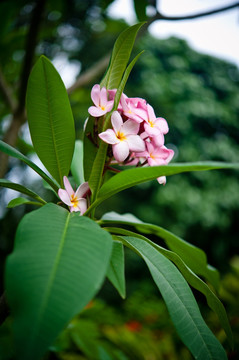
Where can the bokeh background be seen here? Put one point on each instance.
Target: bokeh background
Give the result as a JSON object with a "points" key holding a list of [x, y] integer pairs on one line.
{"points": [[196, 92]]}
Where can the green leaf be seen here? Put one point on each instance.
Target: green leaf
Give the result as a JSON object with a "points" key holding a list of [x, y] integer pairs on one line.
{"points": [[21, 201], [9, 150], [180, 301], [131, 177], [193, 257], [50, 119], [193, 280], [115, 271], [22, 189], [77, 163], [120, 57], [58, 264]]}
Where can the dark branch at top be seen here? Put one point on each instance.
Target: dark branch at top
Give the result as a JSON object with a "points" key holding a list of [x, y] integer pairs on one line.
{"points": [[160, 16]]}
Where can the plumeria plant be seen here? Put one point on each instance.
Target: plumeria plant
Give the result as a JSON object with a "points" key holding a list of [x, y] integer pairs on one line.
{"points": [[62, 252]]}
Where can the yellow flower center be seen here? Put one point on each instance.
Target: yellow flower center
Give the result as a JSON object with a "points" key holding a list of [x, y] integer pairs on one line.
{"points": [[120, 136], [151, 123], [74, 200], [102, 108]]}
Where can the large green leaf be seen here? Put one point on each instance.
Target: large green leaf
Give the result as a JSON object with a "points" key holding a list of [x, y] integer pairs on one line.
{"points": [[22, 189], [9, 150], [213, 302], [50, 119], [58, 264], [131, 177], [115, 271], [120, 57], [180, 301], [193, 257]]}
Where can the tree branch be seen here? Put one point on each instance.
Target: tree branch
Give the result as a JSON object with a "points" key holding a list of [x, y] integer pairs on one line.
{"points": [[31, 42], [7, 93], [4, 310], [19, 116], [90, 74], [160, 16]]}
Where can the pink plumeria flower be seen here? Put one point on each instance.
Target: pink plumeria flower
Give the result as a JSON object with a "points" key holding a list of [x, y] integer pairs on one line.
{"points": [[153, 126], [133, 108], [123, 137], [99, 98], [75, 200], [156, 156]]}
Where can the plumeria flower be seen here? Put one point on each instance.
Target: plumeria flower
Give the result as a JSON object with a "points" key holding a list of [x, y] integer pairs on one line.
{"points": [[133, 108], [153, 126], [99, 98], [156, 156], [123, 137], [75, 200]]}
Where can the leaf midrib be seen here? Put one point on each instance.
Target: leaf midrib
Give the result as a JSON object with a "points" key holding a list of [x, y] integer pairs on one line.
{"points": [[52, 276], [169, 284], [51, 125]]}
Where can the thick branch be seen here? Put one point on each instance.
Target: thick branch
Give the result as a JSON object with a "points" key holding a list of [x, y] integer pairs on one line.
{"points": [[19, 116], [4, 310], [7, 93], [31, 42], [90, 74], [160, 16]]}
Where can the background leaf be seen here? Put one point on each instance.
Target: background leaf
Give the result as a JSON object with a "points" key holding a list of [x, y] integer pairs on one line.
{"points": [[115, 271], [50, 119], [9, 150], [193, 280], [180, 301], [22, 189], [131, 177], [21, 201], [53, 272], [193, 257]]}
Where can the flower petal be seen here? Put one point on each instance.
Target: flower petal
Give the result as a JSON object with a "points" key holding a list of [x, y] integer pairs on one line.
{"points": [[103, 97], [121, 151], [82, 190], [68, 186], [162, 124], [95, 94], [130, 127], [82, 205], [109, 137], [116, 121], [96, 112], [135, 143], [161, 180], [63, 195]]}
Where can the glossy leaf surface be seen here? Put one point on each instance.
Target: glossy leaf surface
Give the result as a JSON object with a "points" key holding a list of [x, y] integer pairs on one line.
{"points": [[180, 301], [51, 275], [115, 271], [50, 119]]}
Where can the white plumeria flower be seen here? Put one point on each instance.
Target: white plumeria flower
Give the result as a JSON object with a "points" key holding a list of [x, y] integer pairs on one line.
{"points": [[123, 137], [75, 200]]}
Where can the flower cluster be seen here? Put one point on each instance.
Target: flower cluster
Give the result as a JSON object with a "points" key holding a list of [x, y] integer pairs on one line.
{"points": [[137, 135]]}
